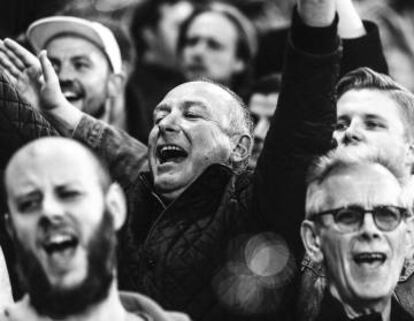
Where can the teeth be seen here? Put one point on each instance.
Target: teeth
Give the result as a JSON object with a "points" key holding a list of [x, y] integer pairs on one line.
{"points": [[170, 148], [60, 239], [369, 257], [69, 94]]}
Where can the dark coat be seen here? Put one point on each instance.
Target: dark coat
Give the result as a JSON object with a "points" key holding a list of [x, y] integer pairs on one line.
{"points": [[312, 283], [181, 250]]}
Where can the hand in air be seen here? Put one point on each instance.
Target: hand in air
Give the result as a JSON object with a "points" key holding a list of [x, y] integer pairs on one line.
{"points": [[34, 77]]}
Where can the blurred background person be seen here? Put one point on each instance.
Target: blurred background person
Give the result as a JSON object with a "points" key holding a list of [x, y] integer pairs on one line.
{"points": [[219, 43], [262, 105], [154, 29]]}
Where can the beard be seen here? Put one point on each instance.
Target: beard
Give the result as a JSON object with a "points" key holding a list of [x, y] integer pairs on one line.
{"points": [[60, 302], [93, 106]]}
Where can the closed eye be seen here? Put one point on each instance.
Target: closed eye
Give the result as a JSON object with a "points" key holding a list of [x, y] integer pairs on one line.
{"points": [[66, 193], [374, 124], [29, 205], [192, 115]]}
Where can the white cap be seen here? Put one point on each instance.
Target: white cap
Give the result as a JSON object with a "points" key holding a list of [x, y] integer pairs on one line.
{"points": [[43, 30]]}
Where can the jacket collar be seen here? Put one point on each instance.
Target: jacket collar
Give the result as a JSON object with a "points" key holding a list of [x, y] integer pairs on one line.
{"points": [[332, 309], [210, 185]]}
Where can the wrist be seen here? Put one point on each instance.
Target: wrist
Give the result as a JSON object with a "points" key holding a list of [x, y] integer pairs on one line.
{"points": [[314, 40], [64, 117], [317, 13]]}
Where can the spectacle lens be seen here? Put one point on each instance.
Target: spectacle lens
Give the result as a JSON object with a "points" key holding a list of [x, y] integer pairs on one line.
{"points": [[350, 219]]}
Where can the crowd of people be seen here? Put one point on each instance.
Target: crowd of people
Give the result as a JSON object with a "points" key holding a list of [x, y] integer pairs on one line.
{"points": [[197, 160]]}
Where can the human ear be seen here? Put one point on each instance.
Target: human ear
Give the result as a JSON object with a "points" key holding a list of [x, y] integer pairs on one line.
{"points": [[311, 241], [9, 225], [116, 204], [241, 149], [115, 85]]}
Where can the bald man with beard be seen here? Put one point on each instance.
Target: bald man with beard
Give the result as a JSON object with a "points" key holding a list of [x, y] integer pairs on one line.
{"points": [[64, 212]]}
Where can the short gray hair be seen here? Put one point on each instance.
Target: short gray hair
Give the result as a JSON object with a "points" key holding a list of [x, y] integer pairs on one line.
{"points": [[240, 123], [342, 158]]}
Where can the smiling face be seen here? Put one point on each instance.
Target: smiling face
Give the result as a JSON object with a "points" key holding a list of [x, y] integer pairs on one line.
{"points": [[56, 204], [362, 266], [210, 49], [83, 72], [189, 134], [370, 117]]}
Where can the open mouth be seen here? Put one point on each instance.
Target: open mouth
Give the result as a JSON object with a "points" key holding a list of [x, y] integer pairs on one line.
{"points": [[60, 243], [171, 153], [370, 258], [72, 96]]}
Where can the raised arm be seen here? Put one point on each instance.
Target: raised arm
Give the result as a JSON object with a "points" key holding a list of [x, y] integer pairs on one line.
{"points": [[302, 126], [38, 83], [361, 40]]}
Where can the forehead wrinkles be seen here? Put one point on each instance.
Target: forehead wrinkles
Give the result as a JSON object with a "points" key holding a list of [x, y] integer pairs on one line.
{"points": [[59, 160], [220, 104]]}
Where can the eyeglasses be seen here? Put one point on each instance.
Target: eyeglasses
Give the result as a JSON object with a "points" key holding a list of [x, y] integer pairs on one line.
{"points": [[350, 219]]}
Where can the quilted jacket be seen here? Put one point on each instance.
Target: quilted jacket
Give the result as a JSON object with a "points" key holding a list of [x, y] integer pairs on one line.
{"points": [[19, 124], [179, 254]]}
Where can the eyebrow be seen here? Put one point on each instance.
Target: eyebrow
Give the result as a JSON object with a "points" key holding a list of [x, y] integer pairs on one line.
{"points": [[369, 116], [373, 116], [54, 58], [161, 107], [24, 195], [194, 103], [185, 105]]}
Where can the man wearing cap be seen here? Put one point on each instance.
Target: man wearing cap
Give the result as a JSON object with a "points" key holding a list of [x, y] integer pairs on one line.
{"points": [[86, 58]]}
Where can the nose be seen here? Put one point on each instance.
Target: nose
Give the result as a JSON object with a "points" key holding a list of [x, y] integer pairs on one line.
{"points": [[66, 72], [261, 129], [369, 229], [197, 49], [52, 207], [352, 135], [170, 123]]}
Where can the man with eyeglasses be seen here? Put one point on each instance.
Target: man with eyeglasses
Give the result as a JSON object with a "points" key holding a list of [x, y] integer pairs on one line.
{"points": [[358, 225]]}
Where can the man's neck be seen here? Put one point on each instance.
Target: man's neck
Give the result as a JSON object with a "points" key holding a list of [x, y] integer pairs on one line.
{"points": [[109, 309], [353, 311]]}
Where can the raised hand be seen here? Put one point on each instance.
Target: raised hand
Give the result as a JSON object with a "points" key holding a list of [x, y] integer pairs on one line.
{"points": [[317, 13], [34, 77], [350, 24]]}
